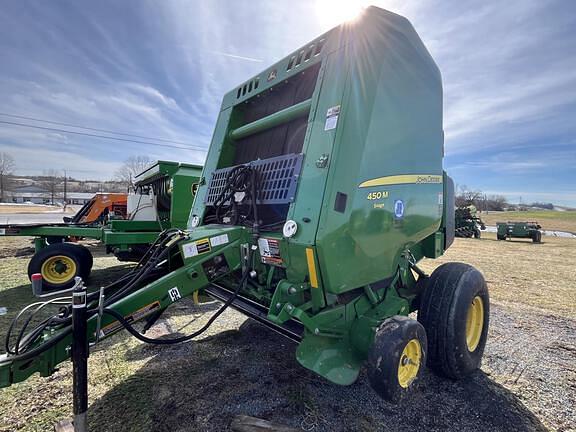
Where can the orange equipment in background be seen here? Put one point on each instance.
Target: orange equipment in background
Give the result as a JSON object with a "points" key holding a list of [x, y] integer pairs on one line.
{"points": [[99, 207]]}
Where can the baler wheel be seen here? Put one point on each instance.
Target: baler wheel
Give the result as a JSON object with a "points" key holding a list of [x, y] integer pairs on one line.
{"points": [[397, 357], [59, 264], [455, 310]]}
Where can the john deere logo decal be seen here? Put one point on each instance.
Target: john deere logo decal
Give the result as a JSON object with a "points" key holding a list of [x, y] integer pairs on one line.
{"points": [[272, 75], [399, 209]]}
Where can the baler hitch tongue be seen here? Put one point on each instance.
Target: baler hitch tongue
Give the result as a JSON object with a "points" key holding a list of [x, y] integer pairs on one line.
{"points": [[127, 301]]}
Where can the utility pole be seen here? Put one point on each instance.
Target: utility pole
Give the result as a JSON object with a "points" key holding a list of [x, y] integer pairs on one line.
{"points": [[65, 185]]}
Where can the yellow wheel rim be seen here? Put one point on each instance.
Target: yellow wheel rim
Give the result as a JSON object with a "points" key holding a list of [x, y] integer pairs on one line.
{"points": [[58, 269], [409, 363], [474, 323]]}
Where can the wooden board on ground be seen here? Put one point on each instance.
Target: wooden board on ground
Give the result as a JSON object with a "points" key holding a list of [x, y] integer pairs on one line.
{"points": [[243, 423]]}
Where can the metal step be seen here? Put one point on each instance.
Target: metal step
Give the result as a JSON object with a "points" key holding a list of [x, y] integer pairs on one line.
{"points": [[291, 329]]}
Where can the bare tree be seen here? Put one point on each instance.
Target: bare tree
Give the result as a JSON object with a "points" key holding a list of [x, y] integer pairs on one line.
{"points": [[7, 165], [132, 166], [466, 197], [497, 203], [51, 182]]}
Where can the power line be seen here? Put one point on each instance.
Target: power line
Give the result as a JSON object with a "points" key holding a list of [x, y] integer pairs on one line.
{"points": [[91, 128], [102, 136]]}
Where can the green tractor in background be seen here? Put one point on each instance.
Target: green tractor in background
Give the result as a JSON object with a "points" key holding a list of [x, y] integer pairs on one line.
{"points": [[322, 190], [467, 222], [510, 230]]}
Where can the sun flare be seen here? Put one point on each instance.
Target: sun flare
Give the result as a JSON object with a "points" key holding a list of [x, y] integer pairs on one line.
{"points": [[334, 12]]}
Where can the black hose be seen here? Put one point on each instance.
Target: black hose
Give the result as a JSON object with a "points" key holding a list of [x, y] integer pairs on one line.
{"points": [[155, 254], [41, 348], [242, 178], [197, 333]]}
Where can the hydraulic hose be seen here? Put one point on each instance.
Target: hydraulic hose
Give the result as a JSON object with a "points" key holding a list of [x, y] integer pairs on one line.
{"points": [[197, 333], [244, 179], [155, 254]]}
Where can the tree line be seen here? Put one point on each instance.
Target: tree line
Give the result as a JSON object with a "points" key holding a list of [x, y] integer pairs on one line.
{"points": [[483, 202]]}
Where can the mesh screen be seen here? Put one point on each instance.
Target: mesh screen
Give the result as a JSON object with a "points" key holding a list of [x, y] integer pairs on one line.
{"points": [[277, 177]]}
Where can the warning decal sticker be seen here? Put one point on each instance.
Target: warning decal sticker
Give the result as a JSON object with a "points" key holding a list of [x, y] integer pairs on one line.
{"points": [[196, 248], [332, 118], [269, 251], [219, 240]]}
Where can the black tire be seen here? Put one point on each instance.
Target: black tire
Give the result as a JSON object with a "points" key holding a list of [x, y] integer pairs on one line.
{"points": [[477, 233], [72, 261], [87, 258], [388, 375], [449, 312], [500, 237], [536, 237]]}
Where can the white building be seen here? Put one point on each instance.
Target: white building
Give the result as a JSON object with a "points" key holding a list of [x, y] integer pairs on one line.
{"points": [[36, 195]]}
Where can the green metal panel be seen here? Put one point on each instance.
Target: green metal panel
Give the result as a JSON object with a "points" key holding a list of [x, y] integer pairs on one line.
{"points": [[282, 116], [56, 231], [133, 225], [182, 194], [113, 238], [389, 94], [161, 167]]}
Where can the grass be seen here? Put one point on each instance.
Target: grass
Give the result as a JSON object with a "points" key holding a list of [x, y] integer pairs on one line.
{"points": [[48, 400], [550, 220]]}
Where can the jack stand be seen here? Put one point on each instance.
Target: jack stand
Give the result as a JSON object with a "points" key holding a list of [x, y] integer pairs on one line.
{"points": [[80, 353]]}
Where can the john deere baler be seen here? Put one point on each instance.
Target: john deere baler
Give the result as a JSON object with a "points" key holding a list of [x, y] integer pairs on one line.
{"points": [[322, 189]]}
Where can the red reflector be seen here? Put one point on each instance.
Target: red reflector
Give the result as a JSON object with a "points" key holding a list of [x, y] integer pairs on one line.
{"points": [[36, 276]]}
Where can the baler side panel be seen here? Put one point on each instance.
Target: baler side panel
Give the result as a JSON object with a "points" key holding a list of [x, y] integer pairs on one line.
{"points": [[391, 126]]}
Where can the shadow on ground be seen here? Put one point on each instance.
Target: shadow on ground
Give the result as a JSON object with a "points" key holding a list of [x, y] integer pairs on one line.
{"points": [[201, 386]]}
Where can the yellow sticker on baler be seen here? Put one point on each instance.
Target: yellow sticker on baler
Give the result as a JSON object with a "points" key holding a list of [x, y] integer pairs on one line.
{"points": [[196, 248], [312, 267]]}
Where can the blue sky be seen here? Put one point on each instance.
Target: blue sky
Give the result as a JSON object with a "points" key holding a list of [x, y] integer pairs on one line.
{"points": [[160, 68]]}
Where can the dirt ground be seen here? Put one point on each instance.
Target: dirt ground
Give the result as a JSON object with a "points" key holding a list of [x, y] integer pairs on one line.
{"points": [[527, 381]]}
